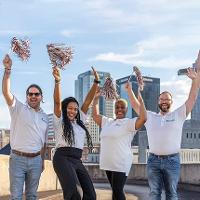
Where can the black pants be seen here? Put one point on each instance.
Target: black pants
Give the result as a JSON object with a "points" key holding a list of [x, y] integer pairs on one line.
{"points": [[117, 181], [74, 178]]}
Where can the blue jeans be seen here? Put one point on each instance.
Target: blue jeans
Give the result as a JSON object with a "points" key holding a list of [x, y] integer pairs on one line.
{"points": [[24, 170], [163, 172]]}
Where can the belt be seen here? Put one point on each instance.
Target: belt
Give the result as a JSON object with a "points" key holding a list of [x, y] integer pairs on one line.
{"points": [[19, 153], [164, 156]]}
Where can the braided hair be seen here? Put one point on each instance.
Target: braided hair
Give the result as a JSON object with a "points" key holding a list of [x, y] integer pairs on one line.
{"points": [[68, 132]]}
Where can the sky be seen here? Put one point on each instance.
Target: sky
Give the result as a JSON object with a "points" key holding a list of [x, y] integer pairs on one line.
{"points": [[158, 36]]}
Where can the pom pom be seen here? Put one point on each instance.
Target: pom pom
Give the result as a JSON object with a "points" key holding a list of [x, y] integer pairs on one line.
{"points": [[139, 78], [109, 90], [21, 48], [59, 54]]}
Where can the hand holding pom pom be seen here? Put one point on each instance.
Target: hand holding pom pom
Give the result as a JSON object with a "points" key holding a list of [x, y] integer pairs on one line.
{"points": [[59, 54], [109, 90], [139, 78], [21, 48]]}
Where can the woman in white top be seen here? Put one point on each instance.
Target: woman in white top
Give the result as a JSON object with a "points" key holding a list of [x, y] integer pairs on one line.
{"points": [[116, 136], [70, 133]]}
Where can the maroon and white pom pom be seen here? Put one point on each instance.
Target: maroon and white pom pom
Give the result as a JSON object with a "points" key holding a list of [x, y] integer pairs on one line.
{"points": [[109, 90], [59, 54], [139, 78], [21, 48]]}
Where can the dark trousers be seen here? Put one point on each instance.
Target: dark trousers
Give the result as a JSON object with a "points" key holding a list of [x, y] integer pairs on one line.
{"points": [[117, 181], [74, 178]]}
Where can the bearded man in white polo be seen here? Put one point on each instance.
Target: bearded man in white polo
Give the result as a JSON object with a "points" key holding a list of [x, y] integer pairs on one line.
{"points": [[164, 132]]}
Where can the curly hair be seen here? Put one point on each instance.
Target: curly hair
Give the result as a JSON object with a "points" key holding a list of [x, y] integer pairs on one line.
{"points": [[68, 132]]}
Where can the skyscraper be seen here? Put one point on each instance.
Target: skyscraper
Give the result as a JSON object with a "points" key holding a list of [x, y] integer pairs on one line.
{"points": [[82, 86], [196, 109], [51, 134], [191, 127], [150, 95]]}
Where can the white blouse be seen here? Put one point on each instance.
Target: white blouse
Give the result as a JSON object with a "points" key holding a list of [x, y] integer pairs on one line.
{"points": [[79, 133]]}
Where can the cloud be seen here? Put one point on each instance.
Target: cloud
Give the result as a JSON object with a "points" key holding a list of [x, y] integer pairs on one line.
{"points": [[179, 88], [69, 33], [55, 1], [152, 16], [160, 52], [13, 32], [168, 62]]}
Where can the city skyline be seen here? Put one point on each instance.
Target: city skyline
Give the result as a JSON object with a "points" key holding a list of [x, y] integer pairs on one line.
{"points": [[106, 107], [158, 36]]}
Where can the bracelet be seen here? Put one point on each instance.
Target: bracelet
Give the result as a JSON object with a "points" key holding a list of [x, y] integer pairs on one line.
{"points": [[57, 81], [96, 81], [7, 71]]}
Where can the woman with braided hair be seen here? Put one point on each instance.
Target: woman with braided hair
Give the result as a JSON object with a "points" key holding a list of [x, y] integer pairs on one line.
{"points": [[70, 133]]}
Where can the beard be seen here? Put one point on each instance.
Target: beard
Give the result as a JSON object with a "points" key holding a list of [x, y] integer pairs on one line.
{"points": [[164, 109]]}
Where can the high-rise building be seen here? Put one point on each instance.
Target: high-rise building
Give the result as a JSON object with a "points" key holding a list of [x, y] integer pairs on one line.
{"points": [[150, 95], [196, 109], [191, 134], [191, 128], [51, 134], [82, 87], [4, 137]]}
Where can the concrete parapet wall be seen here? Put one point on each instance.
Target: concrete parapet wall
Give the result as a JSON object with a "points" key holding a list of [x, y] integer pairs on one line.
{"points": [[190, 175], [4, 175], [48, 180]]}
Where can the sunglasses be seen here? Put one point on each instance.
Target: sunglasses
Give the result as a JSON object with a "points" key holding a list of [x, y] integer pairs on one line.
{"points": [[37, 94], [118, 107]]}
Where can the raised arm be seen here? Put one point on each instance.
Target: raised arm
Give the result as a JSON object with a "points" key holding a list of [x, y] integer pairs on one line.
{"points": [[57, 92], [142, 118], [132, 98], [91, 93], [7, 62], [194, 90], [95, 109]]}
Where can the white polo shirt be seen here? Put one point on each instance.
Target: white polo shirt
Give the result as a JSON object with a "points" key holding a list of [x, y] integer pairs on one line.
{"points": [[116, 137], [28, 129], [79, 132], [165, 131]]}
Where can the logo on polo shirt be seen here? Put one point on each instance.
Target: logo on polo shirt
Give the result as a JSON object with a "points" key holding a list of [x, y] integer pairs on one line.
{"points": [[170, 120], [44, 120]]}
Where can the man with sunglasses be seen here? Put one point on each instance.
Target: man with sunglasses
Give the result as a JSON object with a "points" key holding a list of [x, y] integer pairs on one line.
{"points": [[28, 135]]}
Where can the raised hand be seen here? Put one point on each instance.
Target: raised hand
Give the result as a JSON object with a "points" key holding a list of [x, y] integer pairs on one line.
{"points": [[56, 74], [140, 99], [198, 62], [128, 86], [191, 73], [96, 75], [98, 93], [7, 62]]}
